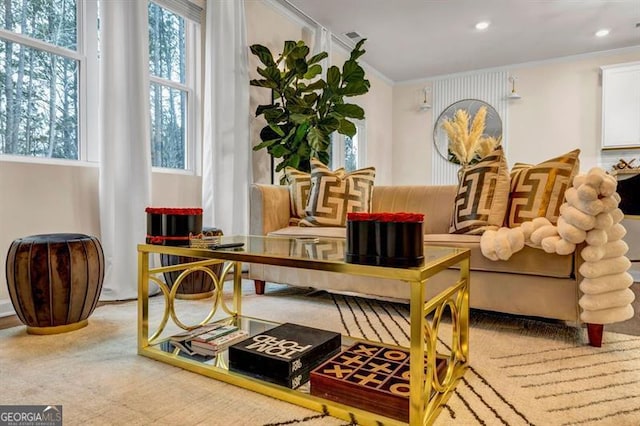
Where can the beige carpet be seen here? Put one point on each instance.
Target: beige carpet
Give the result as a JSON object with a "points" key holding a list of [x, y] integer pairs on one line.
{"points": [[523, 372]]}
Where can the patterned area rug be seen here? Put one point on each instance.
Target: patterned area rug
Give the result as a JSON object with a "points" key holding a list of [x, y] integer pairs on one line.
{"points": [[523, 371]]}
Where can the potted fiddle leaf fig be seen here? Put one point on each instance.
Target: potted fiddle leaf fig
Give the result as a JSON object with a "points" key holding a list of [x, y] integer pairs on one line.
{"points": [[306, 108]]}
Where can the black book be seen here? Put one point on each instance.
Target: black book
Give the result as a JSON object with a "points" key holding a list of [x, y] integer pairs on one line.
{"points": [[294, 381], [284, 351]]}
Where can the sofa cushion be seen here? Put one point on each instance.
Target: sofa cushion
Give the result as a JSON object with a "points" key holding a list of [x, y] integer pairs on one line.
{"points": [[434, 201], [334, 194], [538, 191], [528, 261], [302, 231], [483, 196]]}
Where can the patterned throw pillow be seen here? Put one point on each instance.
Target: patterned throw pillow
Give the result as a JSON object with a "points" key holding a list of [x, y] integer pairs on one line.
{"points": [[299, 186], [334, 194], [483, 196], [538, 191]]}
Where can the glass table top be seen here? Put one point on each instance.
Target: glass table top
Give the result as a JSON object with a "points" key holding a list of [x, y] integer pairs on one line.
{"points": [[320, 253]]}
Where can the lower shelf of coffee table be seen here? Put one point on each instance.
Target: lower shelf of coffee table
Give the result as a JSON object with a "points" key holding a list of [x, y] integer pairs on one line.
{"points": [[216, 367]]}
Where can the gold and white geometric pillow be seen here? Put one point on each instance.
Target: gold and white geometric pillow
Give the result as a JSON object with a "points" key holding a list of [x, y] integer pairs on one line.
{"points": [[483, 196], [335, 193], [538, 190], [299, 186]]}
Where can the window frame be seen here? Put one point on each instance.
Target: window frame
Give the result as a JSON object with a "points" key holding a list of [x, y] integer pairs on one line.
{"points": [[193, 88], [88, 123], [86, 54]]}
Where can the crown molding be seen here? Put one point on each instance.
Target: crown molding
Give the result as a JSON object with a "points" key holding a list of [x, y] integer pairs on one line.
{"points": [[557, 60]]}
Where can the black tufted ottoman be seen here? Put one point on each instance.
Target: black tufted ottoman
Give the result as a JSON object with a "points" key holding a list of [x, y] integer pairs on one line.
{"points": [[55, 280]]}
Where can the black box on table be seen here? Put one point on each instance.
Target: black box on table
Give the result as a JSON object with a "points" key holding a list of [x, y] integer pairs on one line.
{"points": [[285, 354]]}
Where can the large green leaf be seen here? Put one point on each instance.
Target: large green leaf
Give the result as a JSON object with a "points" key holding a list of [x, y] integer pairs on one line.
{"points": [[355, 88], [301, 131], [288, 47], [263, 53], [301, 67], [301, 108], [268, 84], [310, 98], [329, 124], [266, 133], [279, 150], [315, 137], [299, 118], [261, 108], [270, 73], [294, 160], [274, 115], [357, 51], [318, 57], [352, 72], [333, 77], [316, 85], [299, 52], [313, 71], [265, 144], [350, 110], [347, 128], [276, 129]]}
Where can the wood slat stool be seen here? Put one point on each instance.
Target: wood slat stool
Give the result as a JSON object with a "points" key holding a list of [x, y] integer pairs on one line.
{"points": [[55, 280]]}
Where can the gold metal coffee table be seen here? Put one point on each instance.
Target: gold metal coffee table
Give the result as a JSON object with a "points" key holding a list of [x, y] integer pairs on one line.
{"points": [[428, 391]]}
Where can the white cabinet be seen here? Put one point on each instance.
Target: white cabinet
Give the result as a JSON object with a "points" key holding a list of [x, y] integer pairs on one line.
{"points": [[621, 106]]}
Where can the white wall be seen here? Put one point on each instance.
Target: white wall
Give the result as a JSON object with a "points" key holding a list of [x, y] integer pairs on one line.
{"points": [[560, 110]]}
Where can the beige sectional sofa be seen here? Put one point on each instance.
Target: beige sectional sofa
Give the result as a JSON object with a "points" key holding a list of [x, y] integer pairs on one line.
{"points": [[531, 282]]}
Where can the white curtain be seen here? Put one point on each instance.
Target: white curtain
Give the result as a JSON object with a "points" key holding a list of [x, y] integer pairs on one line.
{"points": [[226, 151], [125, 157], [322, 43]]}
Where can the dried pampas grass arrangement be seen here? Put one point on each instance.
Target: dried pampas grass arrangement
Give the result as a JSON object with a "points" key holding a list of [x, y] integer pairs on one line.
{"points": [[467, 142]]}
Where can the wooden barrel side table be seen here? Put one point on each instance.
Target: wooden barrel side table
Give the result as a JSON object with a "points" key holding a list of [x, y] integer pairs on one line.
{"points": [[55, 280]]}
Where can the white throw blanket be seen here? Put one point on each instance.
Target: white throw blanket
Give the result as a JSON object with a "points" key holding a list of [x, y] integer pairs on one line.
{"points": [[589, 214]]}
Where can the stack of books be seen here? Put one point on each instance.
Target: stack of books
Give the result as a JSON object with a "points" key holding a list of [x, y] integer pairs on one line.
{"points": [[208, 339], [214, 341], [284, 355]]}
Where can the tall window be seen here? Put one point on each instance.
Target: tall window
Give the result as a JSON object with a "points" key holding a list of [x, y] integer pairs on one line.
{"points": [[349, 152], [40, 79], [173, 64], [48, 79]]}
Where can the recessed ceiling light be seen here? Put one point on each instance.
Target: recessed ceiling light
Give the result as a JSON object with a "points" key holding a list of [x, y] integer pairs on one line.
{"points": [[482, 25], [602, 33]]}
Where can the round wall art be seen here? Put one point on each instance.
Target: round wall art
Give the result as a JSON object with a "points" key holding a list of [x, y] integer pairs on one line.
{"points": [[493, 124]]}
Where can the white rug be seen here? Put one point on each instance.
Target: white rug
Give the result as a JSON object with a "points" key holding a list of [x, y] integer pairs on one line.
{"points": [[523, 372]]}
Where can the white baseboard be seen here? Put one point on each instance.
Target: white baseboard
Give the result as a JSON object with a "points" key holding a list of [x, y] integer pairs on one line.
{"points": [[6, 308]]}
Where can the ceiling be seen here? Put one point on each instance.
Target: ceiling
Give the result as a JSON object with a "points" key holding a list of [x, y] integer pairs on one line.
{"points": [[418, 39]]}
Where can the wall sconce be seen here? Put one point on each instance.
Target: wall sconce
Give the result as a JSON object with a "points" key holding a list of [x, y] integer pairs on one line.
{"points": [[513, 94], [425, 105]]}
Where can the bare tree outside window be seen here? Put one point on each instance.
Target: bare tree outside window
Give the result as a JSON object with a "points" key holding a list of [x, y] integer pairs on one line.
{"points": [[168, 92], [39, 86]]}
